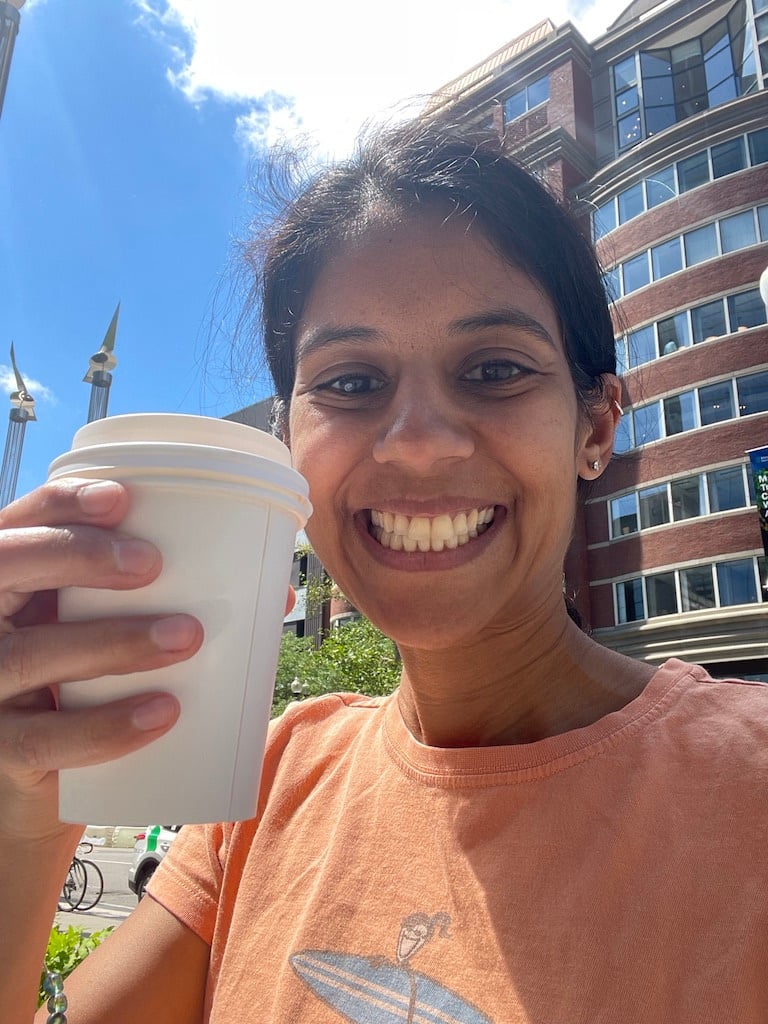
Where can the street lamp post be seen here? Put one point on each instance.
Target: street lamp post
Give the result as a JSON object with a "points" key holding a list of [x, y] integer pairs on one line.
{"points": [[22, 411], [9, 29], [99, 374]]}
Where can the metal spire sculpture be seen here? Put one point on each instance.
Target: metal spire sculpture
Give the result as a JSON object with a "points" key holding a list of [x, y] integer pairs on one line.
{"points": [[99, 374], [22, 411]]}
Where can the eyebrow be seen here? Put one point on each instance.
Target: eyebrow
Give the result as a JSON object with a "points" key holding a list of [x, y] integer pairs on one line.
{"points": [[503, 316], [334, 333]]}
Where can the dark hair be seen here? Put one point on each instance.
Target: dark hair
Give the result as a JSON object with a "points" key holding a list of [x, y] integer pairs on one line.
{"points": [[398, 171]]}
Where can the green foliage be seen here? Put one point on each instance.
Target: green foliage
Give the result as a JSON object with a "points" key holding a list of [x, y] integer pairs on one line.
{"points": [[66, 949], [355, 658]]}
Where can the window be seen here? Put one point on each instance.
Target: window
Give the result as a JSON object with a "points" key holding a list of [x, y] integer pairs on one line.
{"points": [[708, 321], [697, 589], [762, 217], [641, 346], [538, 92], [624, 73], [674, 333], [716, 403], [612, 283], [726, 489], [662, 594], [636, 273], [661, 187], [603, 219], [647, 423], [623, 439], [758, 146], [629, 600], [700, 244], [746, 310], [687, 501], [753, 393], [525, 99], [654, 506], [631, 202], [693, 171], [624, 515], [729, 157], [694, 75], [736, 582], [666, 258], [738, 231], [680, 413]]}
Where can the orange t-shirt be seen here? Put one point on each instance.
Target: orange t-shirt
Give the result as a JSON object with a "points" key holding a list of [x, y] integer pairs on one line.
{"points": [[613, 874]]}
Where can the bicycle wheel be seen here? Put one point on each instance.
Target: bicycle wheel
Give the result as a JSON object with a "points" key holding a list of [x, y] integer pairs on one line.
{"points": [[94, 885], [74, 886]]}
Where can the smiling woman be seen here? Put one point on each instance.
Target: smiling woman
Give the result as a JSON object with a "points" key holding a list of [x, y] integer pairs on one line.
{"points": [[533, 828]]}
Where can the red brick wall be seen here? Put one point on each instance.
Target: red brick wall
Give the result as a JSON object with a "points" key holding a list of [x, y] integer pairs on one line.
{"points": [[749, 187], [687, 288]]}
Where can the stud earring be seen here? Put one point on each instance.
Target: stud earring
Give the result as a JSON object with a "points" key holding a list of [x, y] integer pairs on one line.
{"points": [[595, 465]]}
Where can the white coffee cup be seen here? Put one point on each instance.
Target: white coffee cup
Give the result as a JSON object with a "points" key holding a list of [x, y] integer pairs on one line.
{"points": [[223, 505]]}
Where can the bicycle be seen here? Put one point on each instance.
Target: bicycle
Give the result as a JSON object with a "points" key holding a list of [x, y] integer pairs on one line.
{"points": [[84, 885]]}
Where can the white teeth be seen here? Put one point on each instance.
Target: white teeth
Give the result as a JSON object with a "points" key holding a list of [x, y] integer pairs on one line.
{"points": [[419, 529], [422, 533], [442, 530], [401, 525]]}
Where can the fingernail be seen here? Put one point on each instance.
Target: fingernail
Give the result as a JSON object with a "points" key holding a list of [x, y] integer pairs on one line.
{"points": [[175, 633], [99, 497], [135, 556], [155, 713]]}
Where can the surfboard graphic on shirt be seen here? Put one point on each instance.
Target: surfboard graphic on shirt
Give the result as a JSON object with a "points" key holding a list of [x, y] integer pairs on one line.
{"points": [[374, 990]]}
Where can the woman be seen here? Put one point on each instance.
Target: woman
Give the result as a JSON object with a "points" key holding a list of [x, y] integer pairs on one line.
{"points": [[534, 828]]}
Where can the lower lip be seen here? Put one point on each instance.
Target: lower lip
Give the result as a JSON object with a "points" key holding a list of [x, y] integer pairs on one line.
{"points": [[430, 561]]}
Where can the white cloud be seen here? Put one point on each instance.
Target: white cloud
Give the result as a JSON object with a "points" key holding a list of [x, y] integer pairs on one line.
{"points": [[323, 69], [37, 390]]}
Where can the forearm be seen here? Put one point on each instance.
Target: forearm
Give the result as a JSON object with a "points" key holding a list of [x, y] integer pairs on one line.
{"points": [[32, 876]]}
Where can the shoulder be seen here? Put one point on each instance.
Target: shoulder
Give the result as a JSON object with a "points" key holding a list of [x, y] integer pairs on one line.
{"points": [[723, 715]]}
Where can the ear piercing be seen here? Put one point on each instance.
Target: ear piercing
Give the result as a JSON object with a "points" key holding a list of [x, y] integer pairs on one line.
{"points": [[595, 465]]}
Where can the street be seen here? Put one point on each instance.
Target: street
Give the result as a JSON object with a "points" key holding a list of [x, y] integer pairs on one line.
{"points": [[117, 900]]}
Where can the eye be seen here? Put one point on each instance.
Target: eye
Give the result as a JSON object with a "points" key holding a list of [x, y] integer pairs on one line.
{"points": [[495, 371], [352, 384]]}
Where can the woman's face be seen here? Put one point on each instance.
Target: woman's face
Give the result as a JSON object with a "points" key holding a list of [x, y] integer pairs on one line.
{"points": [[435, 418]]}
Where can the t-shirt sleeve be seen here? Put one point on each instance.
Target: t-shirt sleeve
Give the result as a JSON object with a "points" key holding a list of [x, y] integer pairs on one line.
{"points": [[188, 881]]}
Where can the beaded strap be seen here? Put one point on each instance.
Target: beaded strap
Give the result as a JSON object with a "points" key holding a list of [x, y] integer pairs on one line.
{"points": [[53, 986]]}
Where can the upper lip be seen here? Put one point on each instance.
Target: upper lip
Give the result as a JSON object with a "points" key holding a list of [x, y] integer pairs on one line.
{"points": [[429, 507]]}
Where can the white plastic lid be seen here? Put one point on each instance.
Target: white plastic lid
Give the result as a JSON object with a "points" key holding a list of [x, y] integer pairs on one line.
{"points": [[176, 428]]}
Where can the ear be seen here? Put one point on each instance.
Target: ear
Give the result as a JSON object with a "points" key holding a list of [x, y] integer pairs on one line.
{"points": [[597, 448]]}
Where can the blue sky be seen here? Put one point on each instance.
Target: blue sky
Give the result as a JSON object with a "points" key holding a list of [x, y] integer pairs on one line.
{"points": [[127, 137]]}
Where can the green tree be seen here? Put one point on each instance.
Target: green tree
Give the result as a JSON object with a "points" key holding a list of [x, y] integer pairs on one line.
{"points": [[355, 658]]}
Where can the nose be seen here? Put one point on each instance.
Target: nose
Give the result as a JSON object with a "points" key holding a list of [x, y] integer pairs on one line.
{"points": [[422, 428]]}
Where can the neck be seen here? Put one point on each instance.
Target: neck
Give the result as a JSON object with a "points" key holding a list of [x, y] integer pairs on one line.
{"points": [[518, 685]]}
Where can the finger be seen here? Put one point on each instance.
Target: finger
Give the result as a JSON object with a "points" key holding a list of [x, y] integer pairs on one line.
{"points": [[290, 601], [68, 500], [42, 742], [48, 557], [38, 656]]}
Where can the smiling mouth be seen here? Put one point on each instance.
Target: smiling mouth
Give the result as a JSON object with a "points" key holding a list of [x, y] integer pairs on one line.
{"points": [[428, 533]]}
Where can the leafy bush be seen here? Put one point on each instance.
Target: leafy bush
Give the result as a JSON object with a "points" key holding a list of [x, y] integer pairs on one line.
{"points": [[355, 658], [65, 951]]}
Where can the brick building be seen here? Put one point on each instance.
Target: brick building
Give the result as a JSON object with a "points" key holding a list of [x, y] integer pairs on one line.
{"points": [[658, 133]]}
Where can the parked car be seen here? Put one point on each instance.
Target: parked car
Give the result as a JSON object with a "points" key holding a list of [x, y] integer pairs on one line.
{"points": [[149, 849]]}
